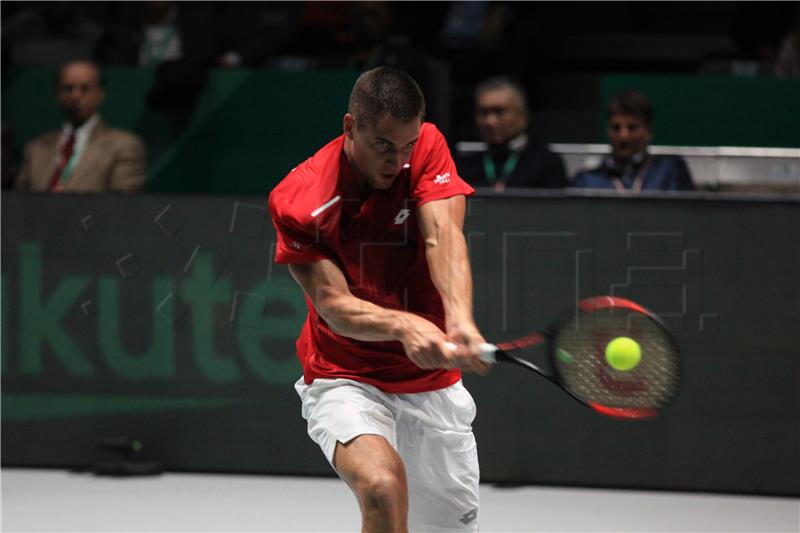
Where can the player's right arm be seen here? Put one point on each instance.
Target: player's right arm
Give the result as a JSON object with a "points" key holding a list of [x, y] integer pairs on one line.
{"points": [[349, 316]]}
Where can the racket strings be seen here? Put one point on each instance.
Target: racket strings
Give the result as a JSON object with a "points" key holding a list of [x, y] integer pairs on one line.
{"points": [[586, 372]]}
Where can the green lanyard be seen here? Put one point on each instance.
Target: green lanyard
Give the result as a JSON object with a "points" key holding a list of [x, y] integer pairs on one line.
{"points": [[70, 166], [67, 172], [508, 167], [638, 181]]}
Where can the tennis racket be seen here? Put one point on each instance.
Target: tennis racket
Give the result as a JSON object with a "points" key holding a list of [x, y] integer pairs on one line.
{"points": [[577, 359]]}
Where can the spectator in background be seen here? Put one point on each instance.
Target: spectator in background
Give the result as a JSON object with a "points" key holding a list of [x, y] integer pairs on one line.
{"points": [[179, 39], [787, 63], [253, 33], [629, 167], [377, 42], [9, 168], [510, 158], [85, 155], [39, 34]]}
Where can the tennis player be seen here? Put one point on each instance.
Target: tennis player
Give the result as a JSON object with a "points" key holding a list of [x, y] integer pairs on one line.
{"points": [[371, 227]]}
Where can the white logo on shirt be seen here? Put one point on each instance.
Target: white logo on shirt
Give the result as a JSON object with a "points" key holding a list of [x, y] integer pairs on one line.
{"points": [[441, 179], [402, 215], [325, 206], [296, 245]]}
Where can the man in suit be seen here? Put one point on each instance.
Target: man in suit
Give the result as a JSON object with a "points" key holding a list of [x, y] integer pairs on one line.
{"points": [[85, 155], [630, 168], [510, 158]]}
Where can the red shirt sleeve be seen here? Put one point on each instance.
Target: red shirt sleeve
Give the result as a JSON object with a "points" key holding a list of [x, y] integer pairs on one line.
{"points": [[298, 240], [436, 171]]}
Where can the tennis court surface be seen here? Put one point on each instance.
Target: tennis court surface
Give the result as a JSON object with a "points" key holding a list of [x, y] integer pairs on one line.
{"points": [[57, 500]]}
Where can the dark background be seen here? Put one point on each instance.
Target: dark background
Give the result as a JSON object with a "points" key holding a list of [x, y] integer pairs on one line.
{"points": [[723, 273], [709, 68]]}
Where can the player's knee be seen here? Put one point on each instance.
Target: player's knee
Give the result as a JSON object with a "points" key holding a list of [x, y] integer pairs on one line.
{"points": [[383, 489]]}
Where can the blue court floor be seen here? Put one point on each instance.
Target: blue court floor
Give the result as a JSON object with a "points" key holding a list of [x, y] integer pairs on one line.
{"points": [[57, 500]]}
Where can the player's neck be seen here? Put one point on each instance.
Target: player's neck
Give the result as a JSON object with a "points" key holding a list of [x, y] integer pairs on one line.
{"points": [[354, 185]]}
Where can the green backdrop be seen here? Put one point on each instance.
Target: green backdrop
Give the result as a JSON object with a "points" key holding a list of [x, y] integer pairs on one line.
{"points": [[248, 129], [715, 110]]}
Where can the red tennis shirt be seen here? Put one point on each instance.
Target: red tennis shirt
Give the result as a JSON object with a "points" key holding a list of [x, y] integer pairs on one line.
{"points": [[378, 246]]}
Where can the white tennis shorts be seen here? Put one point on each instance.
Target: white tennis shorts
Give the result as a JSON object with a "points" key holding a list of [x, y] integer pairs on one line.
{"points": [[431, 431]]}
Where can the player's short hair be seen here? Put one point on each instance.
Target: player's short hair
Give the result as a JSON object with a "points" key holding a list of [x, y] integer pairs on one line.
{"points": [[502, 82], [631, 102], [385, 90]]}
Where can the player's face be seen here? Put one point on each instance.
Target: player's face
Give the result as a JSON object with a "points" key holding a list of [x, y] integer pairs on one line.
{"points": [[629, 135], [79, 92], [499, 116], [379, 151]]}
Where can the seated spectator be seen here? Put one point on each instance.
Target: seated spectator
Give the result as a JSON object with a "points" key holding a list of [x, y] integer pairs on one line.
{"points": [[85, 155], [510, 159], [378, 42], [39, 34], [629, 167], [8, 173], [253, 33], [180, 40], [787, 64]]}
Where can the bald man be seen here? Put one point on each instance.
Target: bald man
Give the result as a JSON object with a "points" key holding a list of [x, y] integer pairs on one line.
{"points": [[511, 159], [85, 155]]}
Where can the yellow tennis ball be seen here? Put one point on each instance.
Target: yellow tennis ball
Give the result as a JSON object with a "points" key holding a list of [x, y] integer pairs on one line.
{"points": [[623, 353]]}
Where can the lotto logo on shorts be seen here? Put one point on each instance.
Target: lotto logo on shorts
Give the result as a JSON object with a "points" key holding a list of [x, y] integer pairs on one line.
{"points": [[442, 178], [469, 516]]}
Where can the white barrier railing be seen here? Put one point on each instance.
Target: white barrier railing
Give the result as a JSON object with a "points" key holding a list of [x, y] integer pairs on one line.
{"points": [[711, 167]]}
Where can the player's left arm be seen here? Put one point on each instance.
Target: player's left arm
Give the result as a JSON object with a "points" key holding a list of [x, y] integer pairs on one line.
{"points": [[442, 225]]}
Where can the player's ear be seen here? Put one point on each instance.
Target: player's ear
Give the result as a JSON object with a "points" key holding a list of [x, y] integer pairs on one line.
{"points": [[348, 123]]}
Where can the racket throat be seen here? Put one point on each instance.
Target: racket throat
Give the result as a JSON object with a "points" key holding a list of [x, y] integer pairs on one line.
{"points": [[503, 356]]}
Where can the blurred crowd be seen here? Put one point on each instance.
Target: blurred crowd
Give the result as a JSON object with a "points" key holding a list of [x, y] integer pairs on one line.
{"points": [[474, 38], [477, 63]]}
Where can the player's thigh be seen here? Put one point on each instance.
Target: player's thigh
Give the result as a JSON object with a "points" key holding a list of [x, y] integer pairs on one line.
{"points": [[340, 410], [370, 463]]}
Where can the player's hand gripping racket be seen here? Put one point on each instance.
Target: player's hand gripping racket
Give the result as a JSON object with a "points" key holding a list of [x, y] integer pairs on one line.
{"points": [[611, 355]]}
